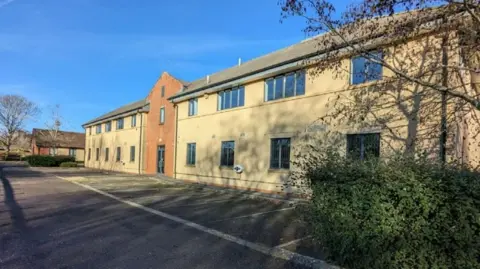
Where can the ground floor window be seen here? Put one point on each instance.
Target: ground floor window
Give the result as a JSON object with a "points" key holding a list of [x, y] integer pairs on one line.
{"points": [[107, 152], [52, 151], [89, 153], [97, 154], [72, 152], [228, 153], [363, 146], [119, 154], [280, 153], [132, 153], [191, 152]]}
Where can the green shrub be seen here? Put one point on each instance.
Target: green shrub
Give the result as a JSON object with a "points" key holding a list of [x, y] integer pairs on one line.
{"points": [[63, 159], [69, 164], [47, 160], [404, 213], [40, 160]]}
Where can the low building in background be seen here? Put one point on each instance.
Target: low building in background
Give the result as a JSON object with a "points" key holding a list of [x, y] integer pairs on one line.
{"points": [[115, 141], [52, 142]]}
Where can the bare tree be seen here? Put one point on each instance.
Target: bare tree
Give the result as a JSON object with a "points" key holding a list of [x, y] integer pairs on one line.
{"points": [[433, 83], [52, 134], [15, 110]]}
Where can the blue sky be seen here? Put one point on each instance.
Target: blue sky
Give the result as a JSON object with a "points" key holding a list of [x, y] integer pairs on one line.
{"points": [[92, 56]]}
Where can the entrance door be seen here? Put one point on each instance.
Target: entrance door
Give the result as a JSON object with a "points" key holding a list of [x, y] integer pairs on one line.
{"points": [[161, 160]]}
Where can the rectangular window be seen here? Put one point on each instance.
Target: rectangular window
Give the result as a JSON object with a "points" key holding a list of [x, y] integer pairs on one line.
{"points": [[288, 85], [133, 121], [89, 130], [228, 153], [97, 154], [193, 107], [107, 153], [108, 126], [120, 124], [72, 152], [132, 153], [162, 115], [119, 154], [99, 128], [52, 151], [191, 152], [231, 98], [163, 91], [365, 70], [89, 154], [280, 153], [363, 146]]}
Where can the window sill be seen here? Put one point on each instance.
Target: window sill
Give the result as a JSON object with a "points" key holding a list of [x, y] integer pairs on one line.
{"points": [[280, 170], [284, 99], [190, 165], [366, 84], [224, 167]]}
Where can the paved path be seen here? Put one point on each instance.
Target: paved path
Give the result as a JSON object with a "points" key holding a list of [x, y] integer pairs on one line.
{"points": [[92, 220]]}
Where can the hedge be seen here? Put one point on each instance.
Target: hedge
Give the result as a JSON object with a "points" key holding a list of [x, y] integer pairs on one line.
{"points": [[401, 213], [47, 160], [69, 164]]}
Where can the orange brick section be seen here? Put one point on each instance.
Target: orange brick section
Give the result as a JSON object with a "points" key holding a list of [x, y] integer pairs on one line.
{"points": [[161, 134]]}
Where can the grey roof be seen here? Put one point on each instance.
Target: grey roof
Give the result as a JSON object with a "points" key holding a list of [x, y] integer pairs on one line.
{"points": [[297, 52], [124, 109]]}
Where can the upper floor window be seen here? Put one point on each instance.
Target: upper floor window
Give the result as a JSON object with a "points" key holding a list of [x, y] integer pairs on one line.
{"points": [[228, 153], [89, 130], [288, 85], [193, 107], [99, 128], [108, 126], [133, 121], [162, 115], [363, 146], [364, 70], [120, 124], [231, 98], [163, 91]]}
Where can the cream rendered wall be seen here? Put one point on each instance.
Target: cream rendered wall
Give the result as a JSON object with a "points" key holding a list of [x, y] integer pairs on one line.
{"points": [[124, 138], [257, 122]]}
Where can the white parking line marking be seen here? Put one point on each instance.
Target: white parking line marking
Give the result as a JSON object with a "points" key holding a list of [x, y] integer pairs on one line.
{"points": [[253, 215], [198, 204], [292, 242], [274, 252]]}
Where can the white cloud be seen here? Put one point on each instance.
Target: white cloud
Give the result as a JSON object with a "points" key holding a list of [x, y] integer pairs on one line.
{"points": [[6, 2]]}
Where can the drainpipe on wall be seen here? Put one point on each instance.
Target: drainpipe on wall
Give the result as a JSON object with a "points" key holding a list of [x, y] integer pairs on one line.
{"points": [[140, 144], [175, 143]]}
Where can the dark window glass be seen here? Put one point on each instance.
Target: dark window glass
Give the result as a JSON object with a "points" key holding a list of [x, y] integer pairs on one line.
{"points": [[280, 153], [89, 154], [234, 98], [72, 152], [241, 96], [97, 154], [107, 154], [108, 126], [163, 91], [228, 153], [132, 153], [227, 99], [364, 70], [133, 121], [279, 87], [193, 107], [119, 154], [162, 115], [270, 89], [363, 146], [290, 85], [191, 153], [99, 128], [120, 124], [300, 82]]}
